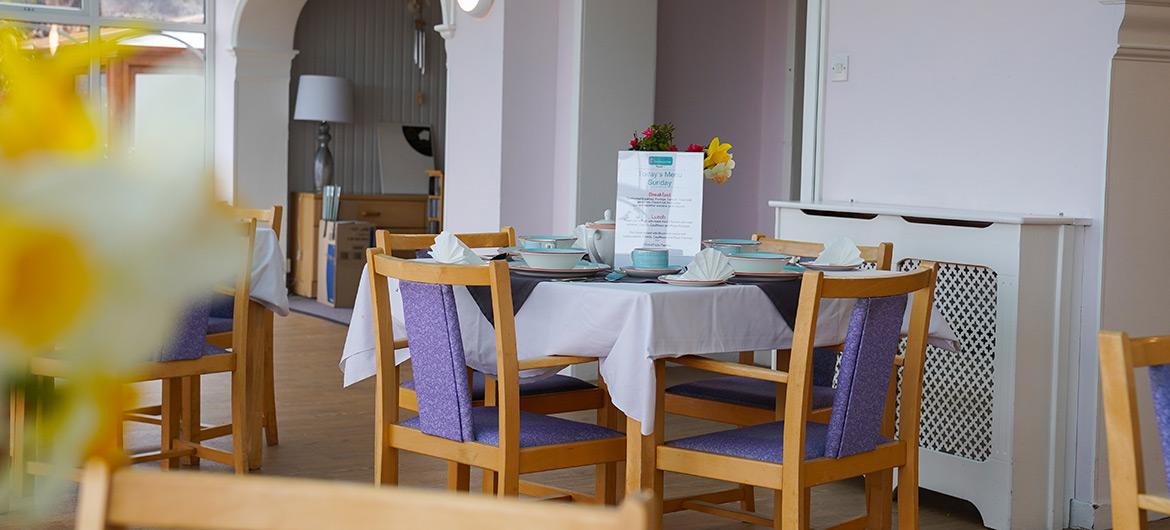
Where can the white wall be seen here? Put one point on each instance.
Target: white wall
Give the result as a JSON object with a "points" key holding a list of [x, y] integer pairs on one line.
{"points": [[475, 120], [989, 105]]}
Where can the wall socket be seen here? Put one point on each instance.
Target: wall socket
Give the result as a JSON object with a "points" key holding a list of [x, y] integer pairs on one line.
{"points": [[839, 68]]}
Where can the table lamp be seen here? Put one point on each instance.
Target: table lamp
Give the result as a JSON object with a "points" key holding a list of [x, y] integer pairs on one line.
{"points": [[324, 99]]}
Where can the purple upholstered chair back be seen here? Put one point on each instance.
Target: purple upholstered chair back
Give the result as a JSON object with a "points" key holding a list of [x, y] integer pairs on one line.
{"points": [[1160, 388], [436, 357], [867, 363], [189, 340]]}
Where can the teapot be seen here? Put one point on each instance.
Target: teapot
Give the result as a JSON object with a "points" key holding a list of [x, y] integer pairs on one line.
{"points": [[598, 238]]}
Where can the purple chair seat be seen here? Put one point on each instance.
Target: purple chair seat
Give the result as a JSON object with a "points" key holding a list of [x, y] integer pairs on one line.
{"points": [[218, 325], [745, 391], [764, 442], [536, 430], [548, 385]]}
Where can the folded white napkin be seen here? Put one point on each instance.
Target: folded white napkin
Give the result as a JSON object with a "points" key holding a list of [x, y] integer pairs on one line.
{"points": [[450, 250], [709, 264], [840, 252]]}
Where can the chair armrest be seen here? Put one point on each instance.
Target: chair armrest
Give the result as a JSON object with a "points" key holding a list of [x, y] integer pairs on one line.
{"points": [[552, 361], [229, 291], [731, 368]]}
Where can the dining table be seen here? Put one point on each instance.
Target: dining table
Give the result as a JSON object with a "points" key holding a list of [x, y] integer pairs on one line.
{"points": [[626, 326]]}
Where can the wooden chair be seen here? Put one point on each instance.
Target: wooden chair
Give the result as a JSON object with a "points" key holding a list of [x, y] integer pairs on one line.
{"points": [[794, 454], [1120, 355], [553, 395], [188, 356], [129, 498], [500, 439], [742, 401], [219, 333]]}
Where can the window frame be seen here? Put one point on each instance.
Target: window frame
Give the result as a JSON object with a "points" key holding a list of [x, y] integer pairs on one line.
{"points": [[89, 15]]}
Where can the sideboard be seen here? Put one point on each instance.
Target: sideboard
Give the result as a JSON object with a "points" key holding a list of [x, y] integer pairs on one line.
{"points": [[399, 213]]}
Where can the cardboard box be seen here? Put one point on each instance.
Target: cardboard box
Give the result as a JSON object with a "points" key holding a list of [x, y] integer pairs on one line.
{"points": [[341, 256]]}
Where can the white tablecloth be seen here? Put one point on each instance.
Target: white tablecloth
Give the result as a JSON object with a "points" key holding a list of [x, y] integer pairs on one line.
{"points": [[268, 276], [626, 325]]}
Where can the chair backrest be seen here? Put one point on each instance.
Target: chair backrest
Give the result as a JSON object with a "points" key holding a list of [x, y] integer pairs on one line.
{"points": [[189, 339], [273, 216], [436, 345], [1120, 356], [881, 255], [865, 389], [215, 501], [407, 244]]}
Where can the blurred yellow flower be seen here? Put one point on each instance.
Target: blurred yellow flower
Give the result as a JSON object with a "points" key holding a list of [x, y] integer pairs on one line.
{"points": [[46, 282], [40, 110], [717, 153]]}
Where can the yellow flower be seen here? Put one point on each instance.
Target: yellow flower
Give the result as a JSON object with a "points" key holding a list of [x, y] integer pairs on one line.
{"points": [[717, 153], [40, 109], [46, 281]]}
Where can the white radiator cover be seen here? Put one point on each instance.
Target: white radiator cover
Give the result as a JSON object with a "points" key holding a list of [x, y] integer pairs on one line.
{"points": [[994, 424]]}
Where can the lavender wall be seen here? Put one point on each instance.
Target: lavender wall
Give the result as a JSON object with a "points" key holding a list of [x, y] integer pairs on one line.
{"points": [[722, 72]]}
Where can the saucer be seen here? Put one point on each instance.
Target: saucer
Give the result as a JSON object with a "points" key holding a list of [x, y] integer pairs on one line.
{"points": [[830, 268], [651, 273], [673, 279], [584, 269]]}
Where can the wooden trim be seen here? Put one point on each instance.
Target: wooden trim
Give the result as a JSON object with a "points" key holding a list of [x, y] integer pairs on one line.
{"points": [[731, 368], [133, 498], [714, 497], [553, 361], [719, 467], [881, 254], [727, 513]]}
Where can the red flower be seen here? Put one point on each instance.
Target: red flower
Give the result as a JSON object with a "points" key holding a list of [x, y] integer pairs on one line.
{"points": [[672, 148], [695, 148], [634, 142], [648, 132]]}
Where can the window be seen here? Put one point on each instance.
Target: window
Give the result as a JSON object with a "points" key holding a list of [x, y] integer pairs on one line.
{"points": [[164, 68]]}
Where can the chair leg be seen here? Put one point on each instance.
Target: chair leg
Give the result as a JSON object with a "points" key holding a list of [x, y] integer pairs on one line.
{"points": [[458, 477], [172, 397], [791, 509], [17, 441], [508, 481], [908, 495], [879, 500], [489, 482], [271, 436], [192, 417], [605, 480], [240, 435], [748, 502]]}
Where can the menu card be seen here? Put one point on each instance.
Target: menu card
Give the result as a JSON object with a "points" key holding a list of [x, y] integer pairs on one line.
{"points": [[659, 204]]}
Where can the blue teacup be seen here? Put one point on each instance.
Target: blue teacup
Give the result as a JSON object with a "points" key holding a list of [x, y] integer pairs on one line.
{"points": [[650, 258]]}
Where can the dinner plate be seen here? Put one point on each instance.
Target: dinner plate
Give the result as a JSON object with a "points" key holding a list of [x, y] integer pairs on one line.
{"points": [[781, 275], [651, 273], [829, 268], [584, 269], [673, 279]]}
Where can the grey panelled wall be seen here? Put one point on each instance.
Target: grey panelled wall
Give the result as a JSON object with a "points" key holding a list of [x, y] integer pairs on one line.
{"points": [[371, 43]]}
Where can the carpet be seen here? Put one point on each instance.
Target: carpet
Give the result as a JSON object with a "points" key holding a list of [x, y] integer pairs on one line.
{"points": [[313, 308]]}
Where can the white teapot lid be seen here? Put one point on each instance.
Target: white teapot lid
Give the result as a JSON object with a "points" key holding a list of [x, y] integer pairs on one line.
{"points": [[605, 223]]}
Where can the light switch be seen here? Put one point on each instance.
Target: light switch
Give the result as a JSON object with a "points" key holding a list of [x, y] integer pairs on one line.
{"points": [[839, 68]]}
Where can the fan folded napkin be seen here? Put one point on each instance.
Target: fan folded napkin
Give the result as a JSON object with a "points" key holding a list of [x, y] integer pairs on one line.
{"points": [[709, 265], [450, 250], [840, 252]]}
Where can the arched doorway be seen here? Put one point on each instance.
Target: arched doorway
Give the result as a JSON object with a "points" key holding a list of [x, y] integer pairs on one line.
{"points": [[252, 106]]}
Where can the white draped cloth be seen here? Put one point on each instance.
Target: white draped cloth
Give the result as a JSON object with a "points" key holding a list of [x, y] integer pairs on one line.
{"points": [[625, 325], [268, 276]]}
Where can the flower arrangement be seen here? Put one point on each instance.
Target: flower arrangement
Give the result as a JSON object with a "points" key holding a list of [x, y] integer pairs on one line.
{"points": [[717, 161], [100, 251]]}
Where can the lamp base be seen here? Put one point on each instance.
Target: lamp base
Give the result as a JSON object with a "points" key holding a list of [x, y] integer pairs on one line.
{"points": [[323, 160]]}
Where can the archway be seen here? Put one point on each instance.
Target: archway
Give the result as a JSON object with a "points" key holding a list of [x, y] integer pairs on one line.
{"points": [[252, 105]]}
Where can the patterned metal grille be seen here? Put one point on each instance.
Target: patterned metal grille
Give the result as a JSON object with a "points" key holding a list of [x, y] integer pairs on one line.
{"points": [[957, 387]]}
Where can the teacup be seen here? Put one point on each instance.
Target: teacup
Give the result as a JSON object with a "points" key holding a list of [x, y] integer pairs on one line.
{"points": [[537, 242], [650, 258]]}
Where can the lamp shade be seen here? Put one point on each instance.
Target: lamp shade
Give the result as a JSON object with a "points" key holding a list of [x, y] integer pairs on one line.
{"points": [[324, 98]]}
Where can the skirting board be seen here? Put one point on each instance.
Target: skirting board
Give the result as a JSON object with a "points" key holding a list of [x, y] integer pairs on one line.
{"points": [[1089, 516]]}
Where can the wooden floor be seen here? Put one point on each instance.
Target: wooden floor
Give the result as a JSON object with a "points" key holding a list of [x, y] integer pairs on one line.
{"points": [[326, 432]]}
